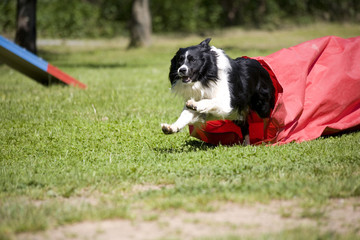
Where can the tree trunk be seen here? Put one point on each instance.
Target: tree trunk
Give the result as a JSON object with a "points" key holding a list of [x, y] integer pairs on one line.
{"points": [[26, 25], [140, 25]]}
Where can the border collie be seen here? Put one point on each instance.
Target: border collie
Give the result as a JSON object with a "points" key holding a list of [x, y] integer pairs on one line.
{"points": [[214, 86]]}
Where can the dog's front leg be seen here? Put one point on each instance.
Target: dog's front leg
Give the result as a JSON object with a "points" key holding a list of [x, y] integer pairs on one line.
{"points": [[210, 106], [187, 116]]}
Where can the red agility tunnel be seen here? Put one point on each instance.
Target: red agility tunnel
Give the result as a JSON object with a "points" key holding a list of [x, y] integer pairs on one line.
{"points": [[33, 66], [317, 93]]}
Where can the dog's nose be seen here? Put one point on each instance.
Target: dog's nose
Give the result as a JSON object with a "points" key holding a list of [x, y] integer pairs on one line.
{"points": [[182, 71]]}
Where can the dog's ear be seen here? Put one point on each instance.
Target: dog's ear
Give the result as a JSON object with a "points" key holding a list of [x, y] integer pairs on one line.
{"points": [[205, 43], [173, 70]]}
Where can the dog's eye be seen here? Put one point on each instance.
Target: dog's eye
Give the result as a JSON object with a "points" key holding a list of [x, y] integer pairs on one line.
{"points": [[191, 59], [181, 58]]}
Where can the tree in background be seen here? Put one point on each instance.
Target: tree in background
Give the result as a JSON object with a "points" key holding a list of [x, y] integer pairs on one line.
{"points": [[110, 18], [26, 25], [140, 24]]}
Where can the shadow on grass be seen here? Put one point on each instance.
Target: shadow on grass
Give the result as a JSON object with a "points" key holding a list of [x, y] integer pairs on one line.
{"points": [[189, 146], [61, 60], [93, 65], [54, 54], [353, 130]]}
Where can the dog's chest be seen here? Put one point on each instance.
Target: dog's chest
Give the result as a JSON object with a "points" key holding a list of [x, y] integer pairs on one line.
{"points": [[198, 91]]}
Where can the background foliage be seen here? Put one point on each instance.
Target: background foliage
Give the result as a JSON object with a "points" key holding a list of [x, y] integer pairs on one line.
{"points": [[108, 18]]}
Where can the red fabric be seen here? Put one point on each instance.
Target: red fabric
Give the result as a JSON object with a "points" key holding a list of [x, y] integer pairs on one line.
{"points": [[317, 93]]}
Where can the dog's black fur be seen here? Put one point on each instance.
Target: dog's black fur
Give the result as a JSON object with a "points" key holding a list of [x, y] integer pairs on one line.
{"points": [[249, 83]]}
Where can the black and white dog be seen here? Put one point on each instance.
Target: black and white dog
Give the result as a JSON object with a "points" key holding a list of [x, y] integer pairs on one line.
{"points": [[214, 86]]}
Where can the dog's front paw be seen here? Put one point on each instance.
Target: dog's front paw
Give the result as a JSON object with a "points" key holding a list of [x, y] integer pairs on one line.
{"points": [[191, 104], [168, 129]]}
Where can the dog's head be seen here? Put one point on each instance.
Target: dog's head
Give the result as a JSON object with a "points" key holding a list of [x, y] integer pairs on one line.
{"points": [[193, 64]]}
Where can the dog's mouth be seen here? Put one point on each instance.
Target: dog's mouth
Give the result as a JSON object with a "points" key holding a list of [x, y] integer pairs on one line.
{"points": [[186, 79]]}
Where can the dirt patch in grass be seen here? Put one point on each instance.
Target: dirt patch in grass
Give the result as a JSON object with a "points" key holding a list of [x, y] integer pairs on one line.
{"points": [[341, 216], [82, 197], [150, 187]]}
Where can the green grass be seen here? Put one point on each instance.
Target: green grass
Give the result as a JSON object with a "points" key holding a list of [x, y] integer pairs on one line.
{"points": [[61, 145]]}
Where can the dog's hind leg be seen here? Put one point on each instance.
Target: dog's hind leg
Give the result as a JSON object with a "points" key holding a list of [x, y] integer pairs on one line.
{"points": [[244, 126]]}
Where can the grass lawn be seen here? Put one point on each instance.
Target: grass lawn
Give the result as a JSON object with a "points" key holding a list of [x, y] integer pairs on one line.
{"points": [[69, 155]]}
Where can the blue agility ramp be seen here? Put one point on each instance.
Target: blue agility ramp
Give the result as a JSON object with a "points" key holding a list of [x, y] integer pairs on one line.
{"points": [[33, 66]]}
